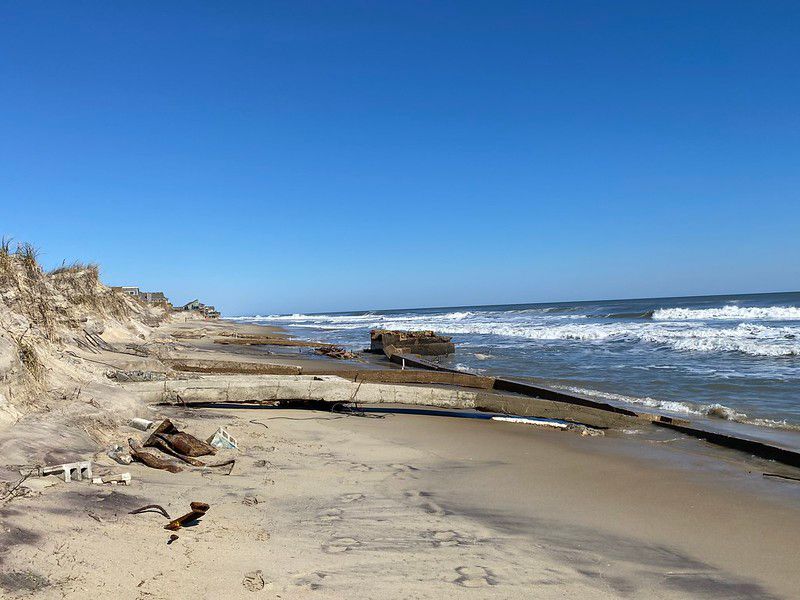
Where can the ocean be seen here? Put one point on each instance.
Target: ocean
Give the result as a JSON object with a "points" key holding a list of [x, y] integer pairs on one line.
{"points": [[735, 358]]}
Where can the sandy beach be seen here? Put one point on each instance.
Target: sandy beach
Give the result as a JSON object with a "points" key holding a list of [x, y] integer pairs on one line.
{"points": [[411, 506], [376, 504]]}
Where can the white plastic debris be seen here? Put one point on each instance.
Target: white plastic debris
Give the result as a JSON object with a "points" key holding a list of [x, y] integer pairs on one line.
{"points": [[529, 421], [118, 454], [142, 424], [586, 431], [223, 439], [123, 478]]}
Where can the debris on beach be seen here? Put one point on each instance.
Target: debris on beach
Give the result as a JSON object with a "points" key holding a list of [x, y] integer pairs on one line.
{"points": [[555, 423], [70, 471], [337, 352], [141, 424], [181, 445], [150, 508], [117, 454], [123, 478], [222, 439], [425, 343], [151, 459], [199, 510], [180, 442]]}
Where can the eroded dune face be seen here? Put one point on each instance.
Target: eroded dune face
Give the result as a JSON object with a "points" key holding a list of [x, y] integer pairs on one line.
{"points": [[47, 320]]}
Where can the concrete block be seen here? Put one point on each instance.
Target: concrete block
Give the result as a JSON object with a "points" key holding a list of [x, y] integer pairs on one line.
{"points": [[76, 470]]}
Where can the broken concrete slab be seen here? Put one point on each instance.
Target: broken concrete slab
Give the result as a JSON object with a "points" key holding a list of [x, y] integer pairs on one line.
{"points": [[330, 388], [425, 343], [198, 365]]}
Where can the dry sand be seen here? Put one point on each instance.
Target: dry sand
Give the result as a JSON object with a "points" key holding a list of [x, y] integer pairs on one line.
{"points": [[406, 507]]}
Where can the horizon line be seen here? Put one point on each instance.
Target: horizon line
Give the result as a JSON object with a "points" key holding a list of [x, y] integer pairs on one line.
{"points": [[341, 312]]}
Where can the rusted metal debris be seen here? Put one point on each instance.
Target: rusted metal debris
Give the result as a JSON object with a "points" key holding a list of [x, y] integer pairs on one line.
{"points": [[199, 510], [335, 352], [150, 508], [150, 458], [162, 444], [179, 441]]}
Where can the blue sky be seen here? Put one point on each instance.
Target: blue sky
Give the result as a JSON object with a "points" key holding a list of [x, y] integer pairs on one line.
{"points": [[318, 156]]}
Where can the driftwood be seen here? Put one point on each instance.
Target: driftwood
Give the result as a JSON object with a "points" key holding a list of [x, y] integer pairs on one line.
{"points": [[178, 441], [198, 510], [151, 459]]}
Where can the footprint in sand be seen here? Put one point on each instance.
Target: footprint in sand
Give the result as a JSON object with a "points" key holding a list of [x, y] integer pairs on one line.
{"points": [[445, 538], [359, 467], [330, 514], [474, 577], [263, 536], [312, 581], [423, 500], [253, 581], [401, 469], [338, 545], [348, 498]]}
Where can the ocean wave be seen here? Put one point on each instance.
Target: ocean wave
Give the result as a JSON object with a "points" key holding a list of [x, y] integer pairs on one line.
{"points": [[363, 319], [713, 411], [755, 340], [643, 314], [683, 335], [729, 313]]}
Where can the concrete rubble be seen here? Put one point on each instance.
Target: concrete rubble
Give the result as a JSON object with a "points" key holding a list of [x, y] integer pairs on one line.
{"points": [[77, 470], [424, 343], [123, 478]]}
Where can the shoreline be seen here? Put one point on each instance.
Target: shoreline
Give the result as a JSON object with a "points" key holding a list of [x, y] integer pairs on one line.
{"points": [[718, 416], [411, 499]]}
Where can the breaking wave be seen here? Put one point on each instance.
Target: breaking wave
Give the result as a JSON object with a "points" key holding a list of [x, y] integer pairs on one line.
{"points": [[745, 355], [685, 336], [729, 313], [713, 411], [755, 340]]}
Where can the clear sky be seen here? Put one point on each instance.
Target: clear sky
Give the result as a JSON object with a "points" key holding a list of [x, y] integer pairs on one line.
{"points": [[318, 156]]}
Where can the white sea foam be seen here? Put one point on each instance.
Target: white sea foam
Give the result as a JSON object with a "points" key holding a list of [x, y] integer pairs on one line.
{"points": [[756, 340], [715, 411], [683, 335], [729, 313], [766, 339]]}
